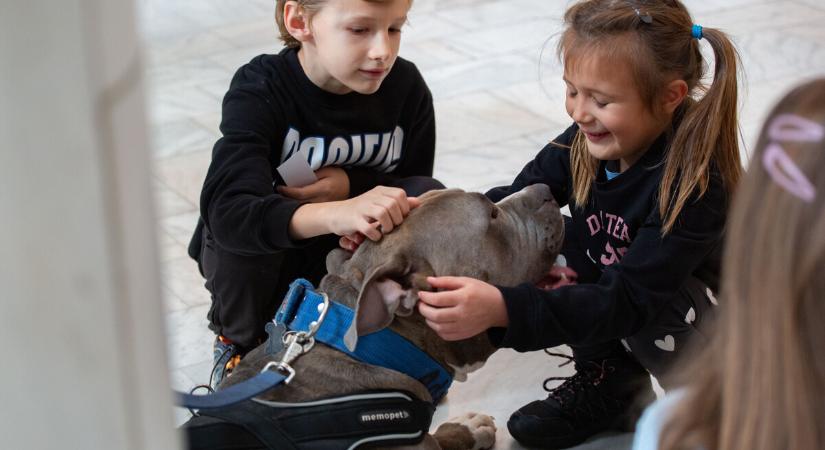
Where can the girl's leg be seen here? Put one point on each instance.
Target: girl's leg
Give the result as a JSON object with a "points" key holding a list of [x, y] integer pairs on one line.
{"points": [[601, 395], [611, 385], [606, 392], [676, 330]]}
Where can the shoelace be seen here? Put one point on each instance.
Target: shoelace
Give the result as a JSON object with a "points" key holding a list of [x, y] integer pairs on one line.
{"points": [[584, 377]]}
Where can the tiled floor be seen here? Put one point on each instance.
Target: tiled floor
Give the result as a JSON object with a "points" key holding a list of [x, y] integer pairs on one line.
{"points": [[498, 98]]}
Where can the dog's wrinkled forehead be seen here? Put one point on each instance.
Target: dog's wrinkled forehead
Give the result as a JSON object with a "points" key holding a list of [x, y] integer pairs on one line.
{"points": [[451, 195], [451, 207]]}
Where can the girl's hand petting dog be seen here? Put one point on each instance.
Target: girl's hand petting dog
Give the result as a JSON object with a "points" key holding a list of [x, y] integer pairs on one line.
{"points": [[462, 308]]}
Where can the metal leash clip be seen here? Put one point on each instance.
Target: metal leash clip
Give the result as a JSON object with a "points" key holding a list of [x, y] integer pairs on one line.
{"points": [[298, 342]]}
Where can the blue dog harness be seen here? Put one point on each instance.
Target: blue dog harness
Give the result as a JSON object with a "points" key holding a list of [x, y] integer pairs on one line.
{"points": [[308, 314], [384, 348]]}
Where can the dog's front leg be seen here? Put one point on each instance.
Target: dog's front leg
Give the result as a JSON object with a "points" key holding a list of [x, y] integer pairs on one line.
{"points": [[470, 431]]}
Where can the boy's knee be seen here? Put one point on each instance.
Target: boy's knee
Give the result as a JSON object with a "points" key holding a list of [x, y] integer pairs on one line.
{"points": [[417, 185]]}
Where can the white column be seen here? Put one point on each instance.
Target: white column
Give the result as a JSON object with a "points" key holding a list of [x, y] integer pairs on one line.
{"points": [[84, 363]]}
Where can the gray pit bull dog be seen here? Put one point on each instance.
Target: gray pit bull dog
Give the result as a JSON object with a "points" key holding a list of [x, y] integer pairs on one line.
{"points": [[451, 233]]}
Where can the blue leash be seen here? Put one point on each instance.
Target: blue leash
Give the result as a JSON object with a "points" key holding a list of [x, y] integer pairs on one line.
{"points": [[237, 393]]}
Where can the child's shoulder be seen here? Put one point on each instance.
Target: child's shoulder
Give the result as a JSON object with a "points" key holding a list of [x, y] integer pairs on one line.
{"points": [[266, 71], [405, 65], [267, 63], [404, 73]]}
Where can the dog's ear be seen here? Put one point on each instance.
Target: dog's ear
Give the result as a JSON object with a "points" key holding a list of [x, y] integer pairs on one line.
{"points": [[336, 259], [388, 290]]}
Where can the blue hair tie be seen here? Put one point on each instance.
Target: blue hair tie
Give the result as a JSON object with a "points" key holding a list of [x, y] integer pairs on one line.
{"points": [[696, 32]]}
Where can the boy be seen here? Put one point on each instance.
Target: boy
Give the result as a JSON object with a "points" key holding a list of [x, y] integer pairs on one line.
{"points": [[337, 98]]}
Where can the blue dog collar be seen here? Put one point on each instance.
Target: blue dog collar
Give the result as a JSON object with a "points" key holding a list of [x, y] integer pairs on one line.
{"points": [[384, 348]]}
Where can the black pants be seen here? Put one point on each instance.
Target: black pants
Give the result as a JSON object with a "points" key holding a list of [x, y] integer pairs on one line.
{"points": [[247, 290], [673, 333]]}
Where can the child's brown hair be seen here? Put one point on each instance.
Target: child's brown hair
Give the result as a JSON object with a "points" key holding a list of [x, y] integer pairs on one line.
{"points": [[656, 39], [760, 385], [310, 7]]}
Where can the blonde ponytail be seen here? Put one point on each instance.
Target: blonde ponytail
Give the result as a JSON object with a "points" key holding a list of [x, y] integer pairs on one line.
{"points": [[707, 134]]}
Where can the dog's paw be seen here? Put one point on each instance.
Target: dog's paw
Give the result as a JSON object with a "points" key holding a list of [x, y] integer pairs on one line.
{"points": [[470, 431]]}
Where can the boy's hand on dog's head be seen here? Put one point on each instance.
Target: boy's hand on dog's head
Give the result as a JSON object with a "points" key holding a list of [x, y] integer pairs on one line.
{"points": [[351, 242], [373, 213]]}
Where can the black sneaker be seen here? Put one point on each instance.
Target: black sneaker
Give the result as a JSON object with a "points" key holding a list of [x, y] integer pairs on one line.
{"points": [[601, 396]]}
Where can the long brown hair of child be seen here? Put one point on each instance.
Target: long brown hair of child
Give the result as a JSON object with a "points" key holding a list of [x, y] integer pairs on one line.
{"points": [[656, 39], [310, 7], [760, 384]]}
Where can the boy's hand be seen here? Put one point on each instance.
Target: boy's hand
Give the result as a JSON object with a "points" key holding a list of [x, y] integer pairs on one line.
{"points": [[351, 242], [332, 185], [372, 213], [464, 308]]}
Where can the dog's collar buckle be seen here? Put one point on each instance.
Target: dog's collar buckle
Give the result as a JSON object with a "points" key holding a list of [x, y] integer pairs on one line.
{"points": [[297, 343]]}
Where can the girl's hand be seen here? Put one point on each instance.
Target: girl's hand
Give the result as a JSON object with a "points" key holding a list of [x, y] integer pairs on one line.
{"points": [[464, 308], [332, 185], [372, 213], [557, 277]]}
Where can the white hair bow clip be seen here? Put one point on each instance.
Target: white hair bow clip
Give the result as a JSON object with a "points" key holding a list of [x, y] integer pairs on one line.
{"points": [[780, 166]]}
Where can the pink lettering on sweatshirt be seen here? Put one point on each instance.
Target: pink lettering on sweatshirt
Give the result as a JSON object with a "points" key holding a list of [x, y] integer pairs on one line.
{"points": [[614, 225]]}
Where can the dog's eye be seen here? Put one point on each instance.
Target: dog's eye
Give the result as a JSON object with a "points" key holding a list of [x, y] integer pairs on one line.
{"points": [[494, 212]]}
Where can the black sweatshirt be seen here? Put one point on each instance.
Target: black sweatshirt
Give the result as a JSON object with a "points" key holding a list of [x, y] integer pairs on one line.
{"points": [[273, 109], [627, 270]]}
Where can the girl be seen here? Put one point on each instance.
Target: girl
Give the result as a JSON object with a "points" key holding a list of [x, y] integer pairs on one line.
{"points": [[761, 383], [338, 99], [647, 168]]}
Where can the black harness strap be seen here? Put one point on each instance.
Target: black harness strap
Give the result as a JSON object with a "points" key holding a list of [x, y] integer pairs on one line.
{"points": [[211, 433], [388, 418], [262, 426]]}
